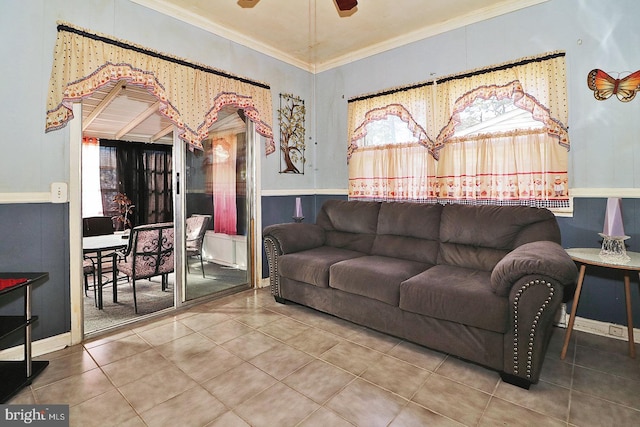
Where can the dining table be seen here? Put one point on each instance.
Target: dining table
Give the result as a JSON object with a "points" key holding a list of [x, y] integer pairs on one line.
{"points": [[102, 248]]}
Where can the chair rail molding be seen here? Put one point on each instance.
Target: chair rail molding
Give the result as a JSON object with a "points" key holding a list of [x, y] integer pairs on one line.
{"points": [[18, 198], [628, 193]]}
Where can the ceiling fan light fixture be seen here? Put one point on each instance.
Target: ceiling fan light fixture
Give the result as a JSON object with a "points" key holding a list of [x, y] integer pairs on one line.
{"points": [[247, 3], [345, 5]]}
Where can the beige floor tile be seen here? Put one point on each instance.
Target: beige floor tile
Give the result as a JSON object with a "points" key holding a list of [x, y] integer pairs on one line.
{"points": [[364, 404], [324, 418], [620, 347], [226, 331], [319, 358], [413, 415], [606, 386], [587, 410], [194, 407], [314, 341], [186, 347], [239, 384], [199, 321], [319, 380], [417, 355], [503, 413], [469, 374], [303, 314], [284, 329], [73, 363], [259, 317], [451, 399], [351, 357], [147, 392], [229, 419], [132, 422], [336, 326], [279, 405], [545, 398], [76, 389], [556, 371], [281, 360], [375, 340], [108, 409], [63, 352], [250, 345], [131, 368], [396, 376], [155, 323], [165, 333], [111, 351], [209, 364], [610, 362], [103, 339]]}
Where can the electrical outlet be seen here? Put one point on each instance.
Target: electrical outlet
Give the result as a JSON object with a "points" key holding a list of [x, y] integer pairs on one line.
{"points": [[616, 331], [59, 192]]}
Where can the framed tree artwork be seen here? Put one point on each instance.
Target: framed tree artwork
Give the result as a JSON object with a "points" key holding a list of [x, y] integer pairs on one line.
{"points": [[291, 116]]}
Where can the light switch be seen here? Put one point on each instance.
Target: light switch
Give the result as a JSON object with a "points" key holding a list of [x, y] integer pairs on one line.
{"points": [[58, 192]]}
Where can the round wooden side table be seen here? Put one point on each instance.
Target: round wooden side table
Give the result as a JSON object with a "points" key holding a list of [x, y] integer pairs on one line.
{"points": [[591, 256]]}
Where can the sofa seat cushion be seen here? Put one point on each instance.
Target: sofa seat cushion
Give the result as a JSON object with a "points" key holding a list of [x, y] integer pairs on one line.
{"points": [[312, 266], [376, 277], [456, 294]]}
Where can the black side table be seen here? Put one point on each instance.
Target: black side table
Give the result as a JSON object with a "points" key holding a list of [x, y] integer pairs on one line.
{"points": [[17, 374]]}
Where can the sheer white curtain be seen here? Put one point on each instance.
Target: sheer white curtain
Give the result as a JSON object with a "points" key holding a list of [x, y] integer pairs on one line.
{"points": [[91, 195]]}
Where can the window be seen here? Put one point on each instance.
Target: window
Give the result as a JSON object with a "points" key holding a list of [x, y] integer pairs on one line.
{"points": [[494, 115], [141, 171], [490, 136], [390, 130]]}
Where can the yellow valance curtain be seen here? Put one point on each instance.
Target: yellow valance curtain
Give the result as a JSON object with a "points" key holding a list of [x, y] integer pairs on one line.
{"points": [[191, 95]]}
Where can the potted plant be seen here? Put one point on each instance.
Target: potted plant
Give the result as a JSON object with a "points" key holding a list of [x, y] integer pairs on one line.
{"points": [[125, 208]]}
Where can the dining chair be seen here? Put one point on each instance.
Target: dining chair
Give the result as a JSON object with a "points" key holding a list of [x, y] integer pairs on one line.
{"points": [[196, 227], [97, 226], [149, 253], [88, 269]]}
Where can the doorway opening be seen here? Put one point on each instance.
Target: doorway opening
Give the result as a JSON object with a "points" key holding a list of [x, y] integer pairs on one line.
{"points": [[120, 113]]}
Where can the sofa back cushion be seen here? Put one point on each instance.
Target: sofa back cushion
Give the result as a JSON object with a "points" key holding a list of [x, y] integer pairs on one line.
{"points": [[349, 224], [408, 231], [480, 236]]}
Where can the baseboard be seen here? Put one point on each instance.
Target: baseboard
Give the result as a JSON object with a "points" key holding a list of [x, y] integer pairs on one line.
{"points": [[38, 348], [595, 327], [604, 329]]}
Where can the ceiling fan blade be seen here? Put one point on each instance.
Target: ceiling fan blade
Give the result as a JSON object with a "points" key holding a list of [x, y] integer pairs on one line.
{"points": [[346, 4]]}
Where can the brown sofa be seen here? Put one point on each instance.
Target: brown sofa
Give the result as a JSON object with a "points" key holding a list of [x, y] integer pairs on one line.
{"points": [[479, 282]]}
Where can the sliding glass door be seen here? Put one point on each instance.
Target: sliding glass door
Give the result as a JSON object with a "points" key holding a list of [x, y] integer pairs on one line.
{"points": [[216, 210]]}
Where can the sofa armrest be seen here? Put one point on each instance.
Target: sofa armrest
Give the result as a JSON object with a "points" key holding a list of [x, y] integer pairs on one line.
{"points": [[542, 258], [287, 238], [295, 237], [534, 303]]}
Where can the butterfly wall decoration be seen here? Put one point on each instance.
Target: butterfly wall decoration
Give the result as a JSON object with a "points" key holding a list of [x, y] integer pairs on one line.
{"points": [[603, 85]]}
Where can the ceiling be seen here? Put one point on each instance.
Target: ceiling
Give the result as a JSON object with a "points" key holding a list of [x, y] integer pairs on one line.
{"points": [[314, 35], [310, 34]]}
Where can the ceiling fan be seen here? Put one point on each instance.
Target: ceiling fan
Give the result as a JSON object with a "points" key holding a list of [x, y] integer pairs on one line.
{"points": [[345, 5]]}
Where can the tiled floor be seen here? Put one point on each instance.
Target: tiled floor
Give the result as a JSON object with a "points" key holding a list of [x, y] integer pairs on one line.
{"points": [[245, 360]]}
